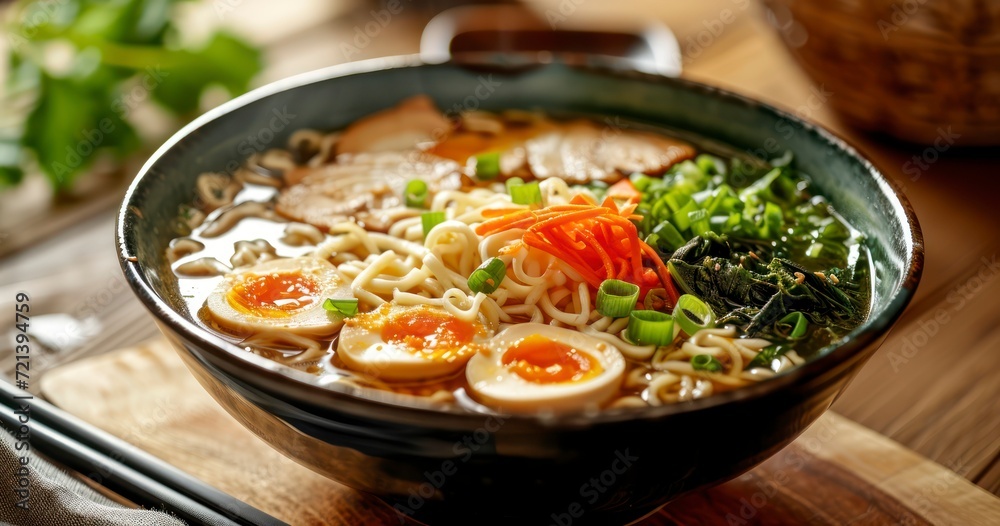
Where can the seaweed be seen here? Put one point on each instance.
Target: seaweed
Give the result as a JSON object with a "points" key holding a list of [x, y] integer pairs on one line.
{"points": [[754, 291]]}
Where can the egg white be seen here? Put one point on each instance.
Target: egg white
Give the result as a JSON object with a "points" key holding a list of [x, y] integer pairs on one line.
{"points": [[361, 348], [310, 320], [498, 386]]}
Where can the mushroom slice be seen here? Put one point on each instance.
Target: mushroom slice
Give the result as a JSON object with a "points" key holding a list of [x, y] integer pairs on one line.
{"points": [[413, 121], [367, 187]]}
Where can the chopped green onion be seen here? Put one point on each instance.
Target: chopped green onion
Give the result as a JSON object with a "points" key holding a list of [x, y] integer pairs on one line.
{"points": [[669, 237], [710, 164], [525, 193], [616, 298], [814, 250], [416, 193], [512, 182], [693, 315], [705, 362], [346, 307], [649, 327], [676, 199], [681, 219], [488, 276], [767, 356], [431, 219], [488, 165], [641, 181], [699, 222], [798, 323], [772, 220]]}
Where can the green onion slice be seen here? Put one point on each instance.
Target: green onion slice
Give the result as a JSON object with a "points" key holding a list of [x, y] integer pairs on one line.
{"points": [[616, 298], [649, 327], [488, 165], [693, 315], [346, 307], [431, 219], [488, 276], [797, 323], [705, 362], [767, 358], [416, 193], [525, 193]]}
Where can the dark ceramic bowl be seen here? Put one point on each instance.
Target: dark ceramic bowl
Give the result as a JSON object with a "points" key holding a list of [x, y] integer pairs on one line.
{"points": [[450, 465]]}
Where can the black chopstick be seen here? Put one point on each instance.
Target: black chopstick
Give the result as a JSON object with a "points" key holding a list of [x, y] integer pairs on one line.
{"points": [[131, 472]]}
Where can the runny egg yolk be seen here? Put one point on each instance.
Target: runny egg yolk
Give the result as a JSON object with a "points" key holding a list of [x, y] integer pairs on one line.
{"points": [[430, 331], [272, 295], [541, 360]]}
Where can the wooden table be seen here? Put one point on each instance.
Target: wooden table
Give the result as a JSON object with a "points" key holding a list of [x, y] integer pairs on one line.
{"points": [[933, 386]]}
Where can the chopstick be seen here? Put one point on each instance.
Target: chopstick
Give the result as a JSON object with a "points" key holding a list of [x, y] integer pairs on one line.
{"points": [[125, 469]]}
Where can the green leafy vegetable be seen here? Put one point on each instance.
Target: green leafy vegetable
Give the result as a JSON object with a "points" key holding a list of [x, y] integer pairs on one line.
{"points": [[771, 298], [120, 54]]}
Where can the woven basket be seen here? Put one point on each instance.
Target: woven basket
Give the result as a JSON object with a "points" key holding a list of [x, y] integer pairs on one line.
{"points": [[908, 68]]}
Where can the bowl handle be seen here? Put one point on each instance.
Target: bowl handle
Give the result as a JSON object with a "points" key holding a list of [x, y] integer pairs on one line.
{"points": [[513, 34]]}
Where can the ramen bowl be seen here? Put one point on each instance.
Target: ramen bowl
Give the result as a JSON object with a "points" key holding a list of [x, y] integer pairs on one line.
{"points": [[444, 464]]}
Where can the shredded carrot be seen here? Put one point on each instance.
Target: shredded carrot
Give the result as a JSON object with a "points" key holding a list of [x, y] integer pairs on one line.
{"points": [[597, 241]]}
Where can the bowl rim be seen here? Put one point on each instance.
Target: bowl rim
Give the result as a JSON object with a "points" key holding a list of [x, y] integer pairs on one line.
{"points": [[286, 385]]}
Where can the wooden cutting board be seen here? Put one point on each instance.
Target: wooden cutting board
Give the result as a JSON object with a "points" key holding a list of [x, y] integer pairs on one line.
{"points": [[837, 472]]}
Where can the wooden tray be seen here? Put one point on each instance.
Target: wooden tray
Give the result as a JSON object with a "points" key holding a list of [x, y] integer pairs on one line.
{"points": [[837, 472]]}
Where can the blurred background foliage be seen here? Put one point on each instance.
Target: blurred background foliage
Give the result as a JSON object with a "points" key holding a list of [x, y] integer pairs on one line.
{"points": [[78, 68]]}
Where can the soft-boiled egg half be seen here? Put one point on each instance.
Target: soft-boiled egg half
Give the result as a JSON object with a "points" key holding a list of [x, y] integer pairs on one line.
{"points": [[286, 294], [533, 367], [397, 343]]}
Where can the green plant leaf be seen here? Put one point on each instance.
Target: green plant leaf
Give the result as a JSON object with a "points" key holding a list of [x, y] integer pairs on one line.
{"points": [[225, 60], [71, 122]]}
